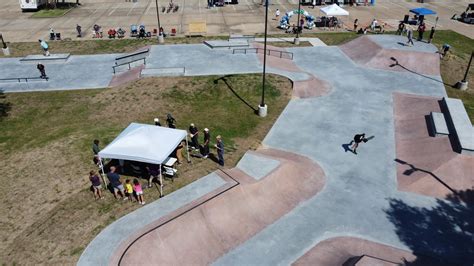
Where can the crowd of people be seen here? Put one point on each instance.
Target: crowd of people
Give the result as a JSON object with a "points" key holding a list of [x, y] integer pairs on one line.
{"points": [[132, 190]]}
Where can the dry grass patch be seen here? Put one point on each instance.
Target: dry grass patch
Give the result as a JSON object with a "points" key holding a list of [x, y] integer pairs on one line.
{"points": [[46, 149]]}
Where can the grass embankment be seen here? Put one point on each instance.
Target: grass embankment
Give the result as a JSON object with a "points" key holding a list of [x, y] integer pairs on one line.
{"points": [[50, 214]]}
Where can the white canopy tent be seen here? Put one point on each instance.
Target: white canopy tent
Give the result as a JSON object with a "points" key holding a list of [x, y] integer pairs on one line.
{"points": [[145, 143], [334, 10]]}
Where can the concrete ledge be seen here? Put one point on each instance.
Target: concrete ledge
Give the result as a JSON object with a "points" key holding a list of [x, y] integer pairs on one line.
{"points": [[460, 124], [41, 58], [163, 72], [226, 44], [439, 124]]}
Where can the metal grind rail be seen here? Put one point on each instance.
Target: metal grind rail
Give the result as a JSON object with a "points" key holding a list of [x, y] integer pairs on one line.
{"points": [[276, 53], [131, 58], [26, 79]]}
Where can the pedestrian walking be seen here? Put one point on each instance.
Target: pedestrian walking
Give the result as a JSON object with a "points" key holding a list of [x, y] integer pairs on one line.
{"points": [[96, 185], [358, 138], [138, 191], [410, 36], [115, 182], [220, 150], [421, 30], [356, 24], [157, 122], [44, 45], [432, 33], [205, 145], [42, 70], [277, 14], [79, 30], [194, 134]]}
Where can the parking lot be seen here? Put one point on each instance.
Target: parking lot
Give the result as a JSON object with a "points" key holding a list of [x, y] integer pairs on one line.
{"points": [[247, 17]]}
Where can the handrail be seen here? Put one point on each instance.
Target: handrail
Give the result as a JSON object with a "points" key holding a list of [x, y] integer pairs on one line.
{"points": [[132, 54], [289, 55], [131, 61], [26, 79]]}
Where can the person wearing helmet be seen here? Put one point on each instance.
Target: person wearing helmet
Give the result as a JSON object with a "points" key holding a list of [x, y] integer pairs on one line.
{"points": [[157, 122]]}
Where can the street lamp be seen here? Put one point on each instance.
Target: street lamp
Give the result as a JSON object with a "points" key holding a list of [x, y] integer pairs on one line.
{"points": [[462, 85], [161, 39], [262, 108], [5, 49], [297, 38]]}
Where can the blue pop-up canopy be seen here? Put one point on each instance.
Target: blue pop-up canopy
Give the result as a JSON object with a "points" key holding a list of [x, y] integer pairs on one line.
{"points": [[421, 11]]}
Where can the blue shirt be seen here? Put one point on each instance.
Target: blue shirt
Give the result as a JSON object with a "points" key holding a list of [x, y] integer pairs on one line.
{"points": [[114, 179]]}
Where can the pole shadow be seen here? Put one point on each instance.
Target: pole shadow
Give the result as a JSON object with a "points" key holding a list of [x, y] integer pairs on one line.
{"points": [[396, 63], [224, 79]]}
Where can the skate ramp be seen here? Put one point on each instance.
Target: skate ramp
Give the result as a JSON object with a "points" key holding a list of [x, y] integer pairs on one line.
{"points": [[377, 51]]}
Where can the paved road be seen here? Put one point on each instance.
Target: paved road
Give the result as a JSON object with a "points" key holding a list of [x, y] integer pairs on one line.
{"points": [[246, 17]]}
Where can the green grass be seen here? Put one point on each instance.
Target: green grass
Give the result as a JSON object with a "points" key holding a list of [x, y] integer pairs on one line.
{"points": [[461, 45], [50, 13]]}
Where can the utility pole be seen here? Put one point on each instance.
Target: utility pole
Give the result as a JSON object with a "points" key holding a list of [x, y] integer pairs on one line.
{"points": [[5, 49], [297, 38], [262, 108]]}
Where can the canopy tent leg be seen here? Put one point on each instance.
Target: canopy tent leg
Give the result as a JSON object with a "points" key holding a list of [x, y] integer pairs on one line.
{"points": [[101, 165], [187, 149], [161, 182]]}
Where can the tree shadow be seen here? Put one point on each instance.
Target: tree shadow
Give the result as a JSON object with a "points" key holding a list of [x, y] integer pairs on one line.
{"points": [[5, 106], [439, 235], [396, 63]]}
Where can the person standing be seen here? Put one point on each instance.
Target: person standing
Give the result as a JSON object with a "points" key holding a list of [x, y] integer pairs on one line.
{"points": [[45, 47], [179, 152], [432, 33], [194, 134], [128, 190], [157, 122], [205, 145], [170, 121], [277, 14], [220, 150], [114, 180], [95, 147], [138, 191], [356, 24], [401, 27], [421, 30], [410, 36], [42, 70], [358, 138], [96, 184], [51, 34], [79, 30]]}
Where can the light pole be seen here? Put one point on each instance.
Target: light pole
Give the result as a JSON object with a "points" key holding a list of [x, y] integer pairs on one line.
{"points": [[5, 49], [297, 38], [462, 85], [161, 39], [262, 108]]}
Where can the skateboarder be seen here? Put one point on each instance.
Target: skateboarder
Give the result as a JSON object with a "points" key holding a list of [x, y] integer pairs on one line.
{"points": [[45, 47], [410, 36], [358, 138]]}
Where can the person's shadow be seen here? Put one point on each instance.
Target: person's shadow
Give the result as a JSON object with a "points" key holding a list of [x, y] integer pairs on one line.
{"points": [[347, 147]]}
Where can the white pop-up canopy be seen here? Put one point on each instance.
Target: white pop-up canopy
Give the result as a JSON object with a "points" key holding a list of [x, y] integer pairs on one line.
{"points": [[144, 143], [334, 10]]}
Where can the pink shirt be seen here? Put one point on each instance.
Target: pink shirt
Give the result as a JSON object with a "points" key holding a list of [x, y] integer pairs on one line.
{"points": [[137, 188]]}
